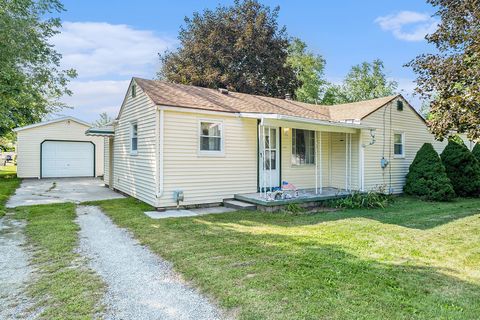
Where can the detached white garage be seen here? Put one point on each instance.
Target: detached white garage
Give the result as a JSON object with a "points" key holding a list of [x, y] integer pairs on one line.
{"points": [[58, 148]]}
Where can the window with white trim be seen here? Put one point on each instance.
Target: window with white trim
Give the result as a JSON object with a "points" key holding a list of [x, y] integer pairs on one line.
{"points": [[211, 137], [133, 138], [303, 147], [399, 145]]}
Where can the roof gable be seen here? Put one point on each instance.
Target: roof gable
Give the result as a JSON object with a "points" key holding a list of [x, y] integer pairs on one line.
{"points": [[407, 104]]}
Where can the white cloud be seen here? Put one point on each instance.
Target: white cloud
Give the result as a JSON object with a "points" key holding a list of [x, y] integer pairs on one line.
{"points": [[408, 25], [105, 56], [99, 49], [90, 98]]}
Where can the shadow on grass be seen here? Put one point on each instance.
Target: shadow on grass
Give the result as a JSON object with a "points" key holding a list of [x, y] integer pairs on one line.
{"points": [[285, 276], [405, 211]]}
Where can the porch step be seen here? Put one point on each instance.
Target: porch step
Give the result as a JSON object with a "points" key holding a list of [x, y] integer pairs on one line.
{"points": [[239, 205]]}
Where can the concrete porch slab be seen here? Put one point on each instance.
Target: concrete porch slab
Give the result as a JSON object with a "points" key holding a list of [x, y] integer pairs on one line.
{"points": [[180, 213], [305, 196]]}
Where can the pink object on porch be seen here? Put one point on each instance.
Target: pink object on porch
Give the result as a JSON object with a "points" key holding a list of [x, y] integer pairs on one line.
{"points": [[288, 186]]}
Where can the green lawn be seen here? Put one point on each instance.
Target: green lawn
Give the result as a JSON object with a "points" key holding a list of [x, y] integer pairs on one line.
{"points": [[414, 260], [63, 286], [8, 183]]}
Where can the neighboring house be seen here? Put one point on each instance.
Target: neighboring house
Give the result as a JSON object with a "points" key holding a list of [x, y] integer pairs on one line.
{"points": [[213, 145], [58, 148]]}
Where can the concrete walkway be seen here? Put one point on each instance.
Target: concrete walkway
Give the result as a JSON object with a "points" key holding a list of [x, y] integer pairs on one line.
{"points": [[46, 191], [14, 270], [186, 213], [140, 285]]}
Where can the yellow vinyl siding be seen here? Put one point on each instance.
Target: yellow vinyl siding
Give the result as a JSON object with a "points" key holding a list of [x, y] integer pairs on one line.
{"points": [[136, 174], [208, 179], [333, 156], [29, 140], [416, 134], [341, 168]]}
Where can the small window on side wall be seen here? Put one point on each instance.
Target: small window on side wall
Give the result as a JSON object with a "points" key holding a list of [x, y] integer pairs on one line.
{"points": [[399, 145], [134, 90], [211, 137], [133, 138]]}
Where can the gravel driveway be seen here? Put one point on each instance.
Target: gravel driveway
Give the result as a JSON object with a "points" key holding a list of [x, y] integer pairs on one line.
{"points": [[140, 284], [14, 270]]}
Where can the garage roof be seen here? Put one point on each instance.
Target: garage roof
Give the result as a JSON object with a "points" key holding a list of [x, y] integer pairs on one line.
{"points": [[44, 123]]}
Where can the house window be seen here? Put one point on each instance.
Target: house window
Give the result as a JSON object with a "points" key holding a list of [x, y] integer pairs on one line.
{"points": [[211, 136], [133, 138], [399, 145], [303, 147]]}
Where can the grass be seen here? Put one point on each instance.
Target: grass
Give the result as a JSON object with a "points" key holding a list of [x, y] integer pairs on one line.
{"points": [[64, 288], [414, 260], [8, 184]]}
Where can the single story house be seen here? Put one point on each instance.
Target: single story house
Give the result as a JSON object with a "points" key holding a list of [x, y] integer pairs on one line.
{"points": [[174, 144], [58, 148]]}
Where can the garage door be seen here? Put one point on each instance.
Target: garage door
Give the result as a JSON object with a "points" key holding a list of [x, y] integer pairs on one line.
{"points": [[67, 159]]}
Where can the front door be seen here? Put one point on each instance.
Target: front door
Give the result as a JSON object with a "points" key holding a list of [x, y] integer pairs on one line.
{"points": [[269, 158]]}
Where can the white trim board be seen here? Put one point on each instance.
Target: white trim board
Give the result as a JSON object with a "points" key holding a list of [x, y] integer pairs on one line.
{"points": [[44, 123]]}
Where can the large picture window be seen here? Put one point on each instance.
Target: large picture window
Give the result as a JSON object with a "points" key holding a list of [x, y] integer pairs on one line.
{"points": [[303, 147], [211, 135]]}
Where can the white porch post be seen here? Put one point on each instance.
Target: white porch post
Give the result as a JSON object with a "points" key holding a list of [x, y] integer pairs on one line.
{"points": [[361, 156], [270, 157], [346, 161], [320, 162], [350, 161], [264, 184]]}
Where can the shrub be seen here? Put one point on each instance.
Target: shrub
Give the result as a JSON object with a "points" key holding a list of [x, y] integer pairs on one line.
{"points": [[427, 177], [462, 168], [294, 208], [476, 151], [358, 200]]}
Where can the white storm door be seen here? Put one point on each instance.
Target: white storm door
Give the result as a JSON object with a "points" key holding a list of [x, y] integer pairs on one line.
{"points": [[67, 159], [269, 158]]}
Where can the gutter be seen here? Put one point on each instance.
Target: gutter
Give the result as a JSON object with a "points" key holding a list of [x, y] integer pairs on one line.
{"points": [[263, 116]]}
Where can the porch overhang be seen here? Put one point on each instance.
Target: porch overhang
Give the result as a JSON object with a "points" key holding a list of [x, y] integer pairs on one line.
{"points": [[284, 121], [107, 131]]}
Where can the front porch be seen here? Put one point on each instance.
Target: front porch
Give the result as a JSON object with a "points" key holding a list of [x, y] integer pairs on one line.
{"points": [[308, 162]]}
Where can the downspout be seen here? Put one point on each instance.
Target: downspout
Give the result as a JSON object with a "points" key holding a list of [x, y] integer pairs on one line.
{"points": [[159, 137]]}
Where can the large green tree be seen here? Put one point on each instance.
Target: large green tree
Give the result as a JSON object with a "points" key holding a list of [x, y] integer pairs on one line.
{"points": [[364, 81], [309, 70], [31, 81], [450, 78], [239, 47]]}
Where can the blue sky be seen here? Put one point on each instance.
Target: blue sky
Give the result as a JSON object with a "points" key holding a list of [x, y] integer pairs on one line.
{"points": [[108, 42]]}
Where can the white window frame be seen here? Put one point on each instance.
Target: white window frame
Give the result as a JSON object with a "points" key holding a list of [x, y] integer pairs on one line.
{"points": [[211, 153], [399, 156], [293, 158], [132, 125]]}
